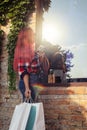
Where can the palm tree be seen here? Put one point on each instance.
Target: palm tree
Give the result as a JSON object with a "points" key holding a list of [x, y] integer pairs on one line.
{"points": [[41, 7]]}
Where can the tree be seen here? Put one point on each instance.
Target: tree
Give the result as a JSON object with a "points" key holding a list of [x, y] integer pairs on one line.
{"points": [[41, 7]]}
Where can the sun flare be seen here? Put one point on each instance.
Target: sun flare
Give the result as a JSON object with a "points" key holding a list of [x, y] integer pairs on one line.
{"points": [[53, 33]]}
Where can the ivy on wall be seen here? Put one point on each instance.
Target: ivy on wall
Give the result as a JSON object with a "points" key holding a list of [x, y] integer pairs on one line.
{"points": [[17, 11]]}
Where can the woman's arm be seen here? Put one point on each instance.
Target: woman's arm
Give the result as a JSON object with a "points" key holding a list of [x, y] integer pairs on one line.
{"points": [[27, 88]]}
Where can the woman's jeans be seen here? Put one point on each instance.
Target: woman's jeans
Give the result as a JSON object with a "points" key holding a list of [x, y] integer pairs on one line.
{"points": [[33, 79]]}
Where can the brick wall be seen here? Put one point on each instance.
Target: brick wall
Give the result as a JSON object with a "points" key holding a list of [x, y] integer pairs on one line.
{"points": [[7, 104], [65, 108]]}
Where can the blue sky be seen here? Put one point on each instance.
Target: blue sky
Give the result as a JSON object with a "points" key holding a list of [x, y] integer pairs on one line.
{"points": [[68, 18]]}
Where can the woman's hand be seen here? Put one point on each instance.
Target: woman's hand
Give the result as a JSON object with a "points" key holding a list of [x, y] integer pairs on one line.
{"points": [[28, 93]]}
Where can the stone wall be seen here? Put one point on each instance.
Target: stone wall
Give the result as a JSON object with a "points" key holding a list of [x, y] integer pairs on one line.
{"points": [[65, 108]]}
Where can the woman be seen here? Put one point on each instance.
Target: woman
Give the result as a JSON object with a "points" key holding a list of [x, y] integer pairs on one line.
{"points": [[24, 53], [44, 62]]}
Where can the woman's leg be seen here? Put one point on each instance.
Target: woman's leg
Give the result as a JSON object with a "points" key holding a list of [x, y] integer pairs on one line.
{"points": [[34, 79]]}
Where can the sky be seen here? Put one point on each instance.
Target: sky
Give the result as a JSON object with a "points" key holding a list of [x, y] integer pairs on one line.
{"points": [[65, 24]]}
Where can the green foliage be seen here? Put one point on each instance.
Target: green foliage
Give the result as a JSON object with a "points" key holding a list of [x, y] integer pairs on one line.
{"points": [[17, 11]]}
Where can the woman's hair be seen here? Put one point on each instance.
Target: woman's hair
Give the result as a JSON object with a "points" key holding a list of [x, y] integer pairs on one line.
{"points": [[25, 36], [25, 47], [45, 63]]}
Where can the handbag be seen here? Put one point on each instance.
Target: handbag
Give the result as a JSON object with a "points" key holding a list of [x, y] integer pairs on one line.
{"points": [[31, 118], [20, 116], [36, 120], [28, 116]]}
